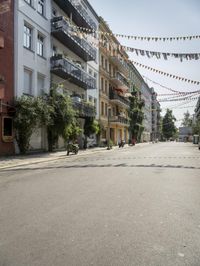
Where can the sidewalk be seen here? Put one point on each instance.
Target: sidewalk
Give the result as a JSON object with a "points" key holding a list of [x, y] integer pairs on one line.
{"points": [[21, 160]]}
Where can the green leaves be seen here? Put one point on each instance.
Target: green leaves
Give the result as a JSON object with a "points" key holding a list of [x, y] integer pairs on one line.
{"points": [[30, 113], [136, 114], [168, 125]]}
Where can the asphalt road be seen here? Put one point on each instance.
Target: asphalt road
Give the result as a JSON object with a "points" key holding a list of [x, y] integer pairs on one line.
{"points": [[127, 207]]}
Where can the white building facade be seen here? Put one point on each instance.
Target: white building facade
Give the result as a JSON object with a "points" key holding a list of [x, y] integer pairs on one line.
{"points": [[49, 50], [32, 50]]}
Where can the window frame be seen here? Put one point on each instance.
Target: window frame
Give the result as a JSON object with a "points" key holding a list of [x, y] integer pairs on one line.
{"points": [[40, 44], [28, 36], [41, 7]]}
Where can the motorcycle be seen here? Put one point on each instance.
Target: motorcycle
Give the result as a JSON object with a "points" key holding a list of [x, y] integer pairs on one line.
{"points": [[121, 144], [71, 147]]}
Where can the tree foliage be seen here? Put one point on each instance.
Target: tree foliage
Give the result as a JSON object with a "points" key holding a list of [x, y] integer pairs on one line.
{"points": [[91, 126], [62, 117], [136, 114], [196, 127], [30, 113], [168, 125], [187, 120]]}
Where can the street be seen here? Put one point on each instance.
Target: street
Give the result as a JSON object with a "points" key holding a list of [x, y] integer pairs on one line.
{"points": [[137, 206]]}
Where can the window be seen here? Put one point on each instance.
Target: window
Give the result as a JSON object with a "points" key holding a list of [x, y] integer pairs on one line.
{"points": [[90, 99], [27, 81], [41, 7], [95, 76], [90, 71], [95, 103], [54, 12], [102, 84], [106, 109], [106, 86], [102, 108], [40, 83], [102, 61], [27, 37], [7, 133], [40, 45], [106, 64], [54, 50]]}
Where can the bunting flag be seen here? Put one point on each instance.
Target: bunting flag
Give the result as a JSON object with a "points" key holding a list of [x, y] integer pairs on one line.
{"points": [[155, 70], [172, 90], [166, 74], [153, 54], [141, 38], [175, 100], [161, 55], [180, 97]]}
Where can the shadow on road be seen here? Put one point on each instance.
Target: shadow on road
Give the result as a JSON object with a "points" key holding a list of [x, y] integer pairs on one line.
{"points": [[101, 166]]}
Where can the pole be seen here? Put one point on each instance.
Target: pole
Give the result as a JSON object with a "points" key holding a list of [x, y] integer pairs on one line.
{"points": [[108, 141]]}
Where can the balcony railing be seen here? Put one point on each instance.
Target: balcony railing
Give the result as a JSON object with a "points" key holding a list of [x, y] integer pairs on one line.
{"points": [[84, 109], [79, 14], [119, 120], [116, 97], [120, 81], [66, 69], [120, 63], [61, 29]]}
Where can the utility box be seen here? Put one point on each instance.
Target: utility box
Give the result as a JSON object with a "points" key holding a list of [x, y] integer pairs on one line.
{"points": [[195, 139]]}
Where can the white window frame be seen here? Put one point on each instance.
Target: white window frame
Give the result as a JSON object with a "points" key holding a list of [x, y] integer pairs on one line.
{"points": [[40, 44], [41, 7], [28, 36], [28, 91]]}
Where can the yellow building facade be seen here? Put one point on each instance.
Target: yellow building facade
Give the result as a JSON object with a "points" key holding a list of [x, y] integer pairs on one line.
{"points": [[114, 85]]}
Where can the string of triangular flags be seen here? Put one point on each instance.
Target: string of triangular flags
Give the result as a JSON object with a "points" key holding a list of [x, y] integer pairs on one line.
{"points": [[180, 97], [155, 70], [166, 74], [160, 55], [167, 88], [141, 38], [177, 100]]}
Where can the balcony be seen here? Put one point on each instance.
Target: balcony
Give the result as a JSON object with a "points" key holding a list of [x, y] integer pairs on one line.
{"points": [[120, 81], [120, 64], [116, 98], [67, 70], [120, 120], [79, 14], [62, 31], [84, 109]]}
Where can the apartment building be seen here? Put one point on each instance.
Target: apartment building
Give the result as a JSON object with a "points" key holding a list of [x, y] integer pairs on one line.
{"points": [[32, 55], [114, 84], [146, 95], [74, 58], [155, 111], [51, 51], [6, 77]]}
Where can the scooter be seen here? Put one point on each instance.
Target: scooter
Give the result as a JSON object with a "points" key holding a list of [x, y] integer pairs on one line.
{"points": [[71, 147], [121, 144]]}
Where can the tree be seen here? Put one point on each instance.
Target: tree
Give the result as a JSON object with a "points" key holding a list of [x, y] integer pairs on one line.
{"points": [[187, 120], [30, 114], [136, 114], [62, 116], [168, 125], [196, 127], [91, 126]]}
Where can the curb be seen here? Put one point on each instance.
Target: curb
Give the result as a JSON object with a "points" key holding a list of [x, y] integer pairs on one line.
{"points": [[63, 157]]}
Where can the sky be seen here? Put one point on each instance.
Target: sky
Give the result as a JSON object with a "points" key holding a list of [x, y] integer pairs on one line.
{"points": [[160, 18]]}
